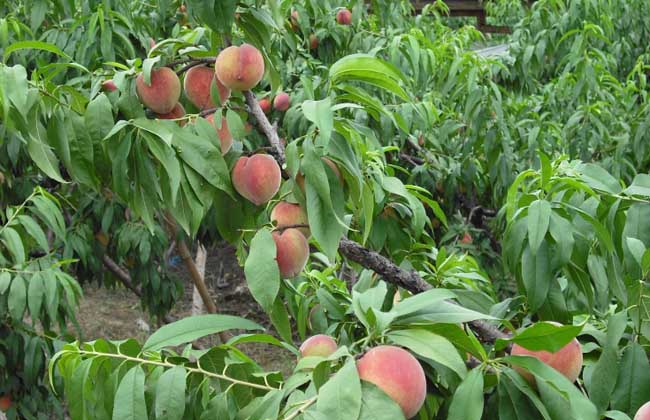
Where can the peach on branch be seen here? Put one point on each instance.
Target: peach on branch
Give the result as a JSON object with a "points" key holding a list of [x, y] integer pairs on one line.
{"points": [[286, 214], [163, 93], [567, 360], [396, 372], [644, 412], [281, 102], [344, 17], [177, 112], [318, 345], [240, 68], [257, 178], [265, 104], [224, 133], [197, 84], [292, 252]]}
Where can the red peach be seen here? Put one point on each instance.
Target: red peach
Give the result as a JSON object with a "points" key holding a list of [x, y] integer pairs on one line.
{"points": [[162, 95], [177, 112], [5, 402], [224, 133], [287, 214], [265, 104], [281, 102], [292, 252], [344, 17], [318, 345], [240, 68], [644, 412], [109, 86], [313, 42], [257, 178], [197, 84], [396, 372]]}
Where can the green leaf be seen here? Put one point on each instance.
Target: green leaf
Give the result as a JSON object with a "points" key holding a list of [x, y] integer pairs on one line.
{"points": [[33, 45], [14, 244], [321, 114], [5, 281], [377, 405], [421, 301], [192, 328], [43, 157], [166, 156], [129, 398], [640, 186], [269, 407], [340, 397], [633, 385], [17, 299], [170, 394], [537, 275], [539, 217], [35, 231], [35, 295], [99, 118], [368, 69], [467, 403], [430, 346], [261, 269], [598, 178], [546, 336]]}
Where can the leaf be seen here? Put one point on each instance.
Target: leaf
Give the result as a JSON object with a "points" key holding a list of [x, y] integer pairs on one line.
{"points": [[192, 328], [546, 336], [33, 45], [377, 405], [129, 399], [17, 300], [430, 346], [43, 157], [269, 408], [321, 114], [640, 186], [421, 301], [368, 69], [537, 275], [340, 397], [261, 269], [5, 281], [34, 231], [170, 394], [35, 295], [99, 118], [467, 403], [598, 178], [539, 217], [14, 244], [633, 384]]}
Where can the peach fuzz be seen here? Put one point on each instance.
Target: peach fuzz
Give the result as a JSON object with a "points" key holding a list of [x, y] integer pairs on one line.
{"points": [[287, 214], [224, 133], [292, 252], [318, 345], [567, 360], [396, 372], [257, 178], [163, 93], [240, 68], [197, 84]]}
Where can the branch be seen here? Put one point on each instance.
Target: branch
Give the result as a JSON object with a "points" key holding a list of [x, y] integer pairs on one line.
{"points": [[265, 126]]}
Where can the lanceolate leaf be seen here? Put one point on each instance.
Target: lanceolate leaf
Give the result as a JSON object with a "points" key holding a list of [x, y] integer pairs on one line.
{"points": [[261, 269], [340, 397], [170, 394], [129, 398], [467, 403]]}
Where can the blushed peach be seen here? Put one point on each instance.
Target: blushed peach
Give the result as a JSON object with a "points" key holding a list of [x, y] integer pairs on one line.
{"points": [[318, 345], [281, 102], [287, 214], [162, 95], [257, 178], [292, 252], [197, 84], [240, 68]]}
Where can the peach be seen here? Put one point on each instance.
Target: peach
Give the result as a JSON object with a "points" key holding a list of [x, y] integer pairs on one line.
{"points": [[162, 95], [177, 112], [281, 102], [5, 402], [265, 104], [567, 360], [240, 68], [643, 413], [197, 84], [467, 239], [344, 17], [286, 214], [109, 86], [300, 178], [313, 42], [318, 345], [292, 252], [396, 372], [224, 133], [257, 178]]}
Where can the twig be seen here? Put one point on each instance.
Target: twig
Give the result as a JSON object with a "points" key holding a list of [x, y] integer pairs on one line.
{"points": [[265, 125], [197, 61]]}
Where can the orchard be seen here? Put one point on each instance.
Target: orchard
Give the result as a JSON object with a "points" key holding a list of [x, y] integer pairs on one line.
{"points": [[434, 216]]}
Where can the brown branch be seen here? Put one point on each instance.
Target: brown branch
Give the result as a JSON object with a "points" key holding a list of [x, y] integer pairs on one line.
{"points": [[266, 127], [195, 61]]}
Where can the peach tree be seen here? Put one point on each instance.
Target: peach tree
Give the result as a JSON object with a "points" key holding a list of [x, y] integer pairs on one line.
{"points": [[411, 213]]}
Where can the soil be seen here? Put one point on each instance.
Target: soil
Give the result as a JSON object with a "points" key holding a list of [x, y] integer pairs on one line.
{"points": [[116, 314]]}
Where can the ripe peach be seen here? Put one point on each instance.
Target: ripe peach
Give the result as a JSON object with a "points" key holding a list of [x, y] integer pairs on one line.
{"points": [[300, 178], [163, 93], [240, 68], [224, 133], [287, 214], [265, 104], [5, 402], [197, 83], [318, 345], [313, 42], [257, 178], [567, 360], [396, 372], [109, 86], [344, 17], [644, 412], [177, 112], [281, 102], [467, 239], [292, 252]]}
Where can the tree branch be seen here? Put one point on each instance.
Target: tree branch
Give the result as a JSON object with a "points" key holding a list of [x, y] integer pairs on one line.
{"points": [[266, 127]]}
